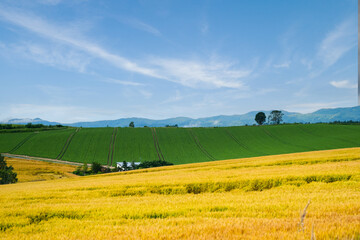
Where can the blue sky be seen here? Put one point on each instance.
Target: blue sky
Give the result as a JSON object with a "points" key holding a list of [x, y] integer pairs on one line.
{"points": [[74, 60]]}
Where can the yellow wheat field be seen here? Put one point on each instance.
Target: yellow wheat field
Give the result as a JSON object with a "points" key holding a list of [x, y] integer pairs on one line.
{"points": [[252, 198], [30, 170]]}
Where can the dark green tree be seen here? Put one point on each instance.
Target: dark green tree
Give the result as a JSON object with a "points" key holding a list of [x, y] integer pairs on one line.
{"points": [[133, 165], [85, 168], [95, 167], [132, 124], [125, 167], [6, 173], [275, 117], [260, 118]]}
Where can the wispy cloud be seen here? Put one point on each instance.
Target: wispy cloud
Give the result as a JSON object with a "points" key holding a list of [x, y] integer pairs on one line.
{"points": [[175, 98], [190, 73], [282, 65], [197, 74], [56, 56], [338, 42], [313, 106], [343, 84], [136, 23], [121, 82], [70, 37]]}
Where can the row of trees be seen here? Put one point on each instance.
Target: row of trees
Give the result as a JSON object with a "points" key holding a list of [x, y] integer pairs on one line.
{"points": [[97, 168], [275, 117], [145, 164], [29, 125]]}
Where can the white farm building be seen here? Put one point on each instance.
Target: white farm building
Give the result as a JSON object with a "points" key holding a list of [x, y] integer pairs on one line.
{"points": [[129, 165]]}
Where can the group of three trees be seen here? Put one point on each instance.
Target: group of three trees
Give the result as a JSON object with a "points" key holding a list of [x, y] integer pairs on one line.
{"points": [[275, 117]]}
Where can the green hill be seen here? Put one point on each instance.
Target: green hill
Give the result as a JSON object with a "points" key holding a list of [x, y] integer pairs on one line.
{"points": [[178, 145]]}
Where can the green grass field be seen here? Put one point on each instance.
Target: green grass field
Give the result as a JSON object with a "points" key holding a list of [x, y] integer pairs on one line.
{"points": [[178, 146], [182, 145], [89, 145], [46, 144], [10, 140], [134, 144]]}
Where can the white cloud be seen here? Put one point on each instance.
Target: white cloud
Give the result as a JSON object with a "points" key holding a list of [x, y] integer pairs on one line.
{"points": [[136, 23], [176, 98], [197, 74], [55, 56], [282, 65], [338, 42], [121, 82], [343, 84], [70, 36]]}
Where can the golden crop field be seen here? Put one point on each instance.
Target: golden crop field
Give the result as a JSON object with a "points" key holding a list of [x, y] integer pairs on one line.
{"points": [[31, 170], [251, 198]]}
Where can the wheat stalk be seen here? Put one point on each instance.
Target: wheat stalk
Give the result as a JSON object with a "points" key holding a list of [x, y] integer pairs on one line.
{"points": [[302, 217], [313, 233]]}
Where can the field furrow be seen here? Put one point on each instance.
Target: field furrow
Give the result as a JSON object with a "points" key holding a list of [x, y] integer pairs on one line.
{"points": [[113, 147], [196, 140], [66, 146], [46, 144]]}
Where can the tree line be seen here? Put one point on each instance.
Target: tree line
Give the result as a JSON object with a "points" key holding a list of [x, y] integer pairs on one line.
{"points": [[275, 117], [29, 125]]}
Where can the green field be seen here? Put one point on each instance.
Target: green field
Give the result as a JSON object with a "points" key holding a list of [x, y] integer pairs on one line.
{"points": [[46, 144], [89, 145], [8, 141], [180, 145], [134, 144]]}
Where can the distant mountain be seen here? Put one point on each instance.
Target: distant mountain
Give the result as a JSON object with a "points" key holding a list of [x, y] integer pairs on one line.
{"points": [[29, 120], [322, 115]]}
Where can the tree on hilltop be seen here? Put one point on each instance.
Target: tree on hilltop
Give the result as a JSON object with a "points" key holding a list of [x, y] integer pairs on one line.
{"points": [[275, 117], [131, 124], [260, 118]]}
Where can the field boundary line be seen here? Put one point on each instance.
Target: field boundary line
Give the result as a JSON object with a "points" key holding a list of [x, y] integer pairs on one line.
{"points": [[235, 139], [23, 142], [284, 142], [197, 142], [113, 146], [155, 143], [42, 159], [66, 146], [110, 147], [241, 144]]}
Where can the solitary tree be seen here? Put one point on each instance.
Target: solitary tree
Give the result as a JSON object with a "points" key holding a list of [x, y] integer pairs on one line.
{"points": [[131, 124], [95, 167], [276, 117], [6, 172], [260, 118]]}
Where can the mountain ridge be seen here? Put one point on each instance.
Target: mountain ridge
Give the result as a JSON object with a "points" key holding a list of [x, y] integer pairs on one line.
{"points": [[321, 115]]}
